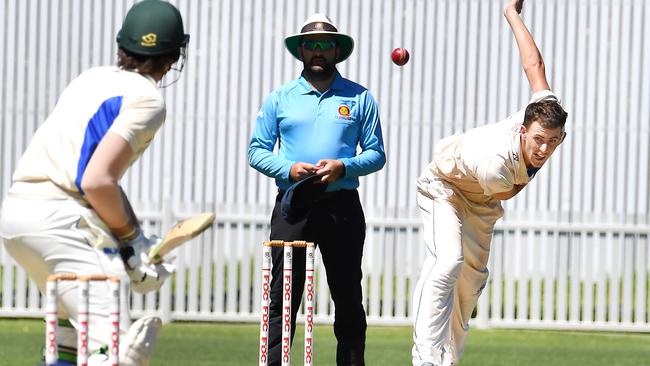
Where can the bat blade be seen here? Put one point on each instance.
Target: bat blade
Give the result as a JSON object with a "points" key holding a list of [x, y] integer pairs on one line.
{"points": [[183, 231]]}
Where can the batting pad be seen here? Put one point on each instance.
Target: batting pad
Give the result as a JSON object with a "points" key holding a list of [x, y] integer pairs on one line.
{"points": [[137, 345]]}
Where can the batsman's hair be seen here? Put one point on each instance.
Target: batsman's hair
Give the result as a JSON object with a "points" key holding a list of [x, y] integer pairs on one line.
{"points": [[548, 113], [146, 65]]}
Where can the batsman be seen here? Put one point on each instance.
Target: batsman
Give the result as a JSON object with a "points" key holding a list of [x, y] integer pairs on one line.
{"points": [[66, 212], [459, 196]]}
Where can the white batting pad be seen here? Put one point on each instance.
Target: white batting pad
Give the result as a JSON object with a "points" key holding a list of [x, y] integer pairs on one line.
{"points": [[137, 345]]}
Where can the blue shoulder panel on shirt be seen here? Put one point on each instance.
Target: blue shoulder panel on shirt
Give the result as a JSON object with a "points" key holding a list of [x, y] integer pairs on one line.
{"points": [[532, 172], [95, 131]]}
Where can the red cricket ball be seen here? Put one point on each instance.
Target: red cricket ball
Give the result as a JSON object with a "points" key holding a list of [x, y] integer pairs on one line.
{"points": [[400, 56]]}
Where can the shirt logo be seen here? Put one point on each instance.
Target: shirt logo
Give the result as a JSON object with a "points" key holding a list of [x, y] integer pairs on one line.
{"points": [[344, 111], [515, 157], [149, 40]]}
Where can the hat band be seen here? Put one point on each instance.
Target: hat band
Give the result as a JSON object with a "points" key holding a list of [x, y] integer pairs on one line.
{"points": [[318, 27]]}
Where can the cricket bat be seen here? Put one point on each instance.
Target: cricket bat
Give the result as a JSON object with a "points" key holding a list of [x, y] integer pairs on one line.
{"points": [[183, 231]]}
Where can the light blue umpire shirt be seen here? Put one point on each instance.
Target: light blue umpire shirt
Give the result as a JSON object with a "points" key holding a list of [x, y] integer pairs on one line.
{"points": [[311, 126]]}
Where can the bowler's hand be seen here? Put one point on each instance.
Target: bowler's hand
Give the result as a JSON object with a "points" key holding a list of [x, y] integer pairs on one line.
{"points": [[301, 171], [513, 5], [331, 170]]}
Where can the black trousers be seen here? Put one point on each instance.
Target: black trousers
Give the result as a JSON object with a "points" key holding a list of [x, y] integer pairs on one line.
{"points": [[337, 226]]}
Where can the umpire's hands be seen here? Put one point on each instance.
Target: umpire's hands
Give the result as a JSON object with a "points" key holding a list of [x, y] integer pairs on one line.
{"points": [[300, 171], [330, 169], [144, 277]]}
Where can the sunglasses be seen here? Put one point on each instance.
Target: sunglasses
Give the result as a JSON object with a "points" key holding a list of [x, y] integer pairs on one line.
{"points": [[323, 45]]}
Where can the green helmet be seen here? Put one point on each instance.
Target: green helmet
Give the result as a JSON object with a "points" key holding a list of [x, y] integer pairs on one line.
{"points": [[152, 28]]}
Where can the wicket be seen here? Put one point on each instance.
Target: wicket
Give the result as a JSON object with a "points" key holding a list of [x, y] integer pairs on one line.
{"points": [[286, 300], [51, 317]]}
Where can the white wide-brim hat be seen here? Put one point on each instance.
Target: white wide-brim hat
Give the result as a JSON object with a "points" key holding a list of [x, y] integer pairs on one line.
{"points": [[320, 24]]}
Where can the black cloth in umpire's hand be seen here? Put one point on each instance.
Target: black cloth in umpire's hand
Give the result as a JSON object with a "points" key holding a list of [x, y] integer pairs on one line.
{"points": [[300, 197]]}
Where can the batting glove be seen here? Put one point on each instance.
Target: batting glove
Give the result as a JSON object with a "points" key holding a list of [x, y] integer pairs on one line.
{"points": [[145, 277]]}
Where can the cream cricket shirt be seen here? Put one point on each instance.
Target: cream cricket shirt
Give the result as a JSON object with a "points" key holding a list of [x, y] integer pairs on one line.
{"points": [[484, 160], [100, 100]]}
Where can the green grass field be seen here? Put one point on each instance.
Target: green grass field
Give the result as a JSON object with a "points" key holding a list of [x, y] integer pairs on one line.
{"points": [[227, 344]]}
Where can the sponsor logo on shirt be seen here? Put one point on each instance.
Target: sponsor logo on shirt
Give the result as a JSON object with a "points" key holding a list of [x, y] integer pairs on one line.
{"points": [[344, 112], [149, 40]]}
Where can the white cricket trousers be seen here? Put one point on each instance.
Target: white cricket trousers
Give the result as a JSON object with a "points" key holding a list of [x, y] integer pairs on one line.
{"points": [[457, 234], [53, 236]]}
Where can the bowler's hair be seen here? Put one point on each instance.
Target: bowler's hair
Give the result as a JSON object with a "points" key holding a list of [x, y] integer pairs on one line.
{"points": [[145, 64], [548, 113]]}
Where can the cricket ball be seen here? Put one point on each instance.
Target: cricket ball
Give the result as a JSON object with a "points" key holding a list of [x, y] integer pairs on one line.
{"points": [[400, 56]]}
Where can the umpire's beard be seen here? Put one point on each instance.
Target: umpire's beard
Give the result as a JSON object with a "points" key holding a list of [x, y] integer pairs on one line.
{"points": [[320, 72]]}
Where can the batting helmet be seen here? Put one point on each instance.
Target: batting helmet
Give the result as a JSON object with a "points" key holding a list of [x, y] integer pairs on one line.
{"points": [[152, 28]]}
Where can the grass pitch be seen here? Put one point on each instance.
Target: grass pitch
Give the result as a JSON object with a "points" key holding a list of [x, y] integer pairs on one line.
{"points": [[225, 344]]}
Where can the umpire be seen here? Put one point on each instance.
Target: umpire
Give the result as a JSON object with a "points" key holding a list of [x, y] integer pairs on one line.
{"points": [[318, 120]]}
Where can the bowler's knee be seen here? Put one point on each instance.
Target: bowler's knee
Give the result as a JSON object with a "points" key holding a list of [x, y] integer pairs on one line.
{"points": [[447, 272], [474, 281]]}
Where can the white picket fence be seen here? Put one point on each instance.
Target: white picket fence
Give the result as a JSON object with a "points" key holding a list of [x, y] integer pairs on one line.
{"points": [[542, 276], [573, 250]]}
